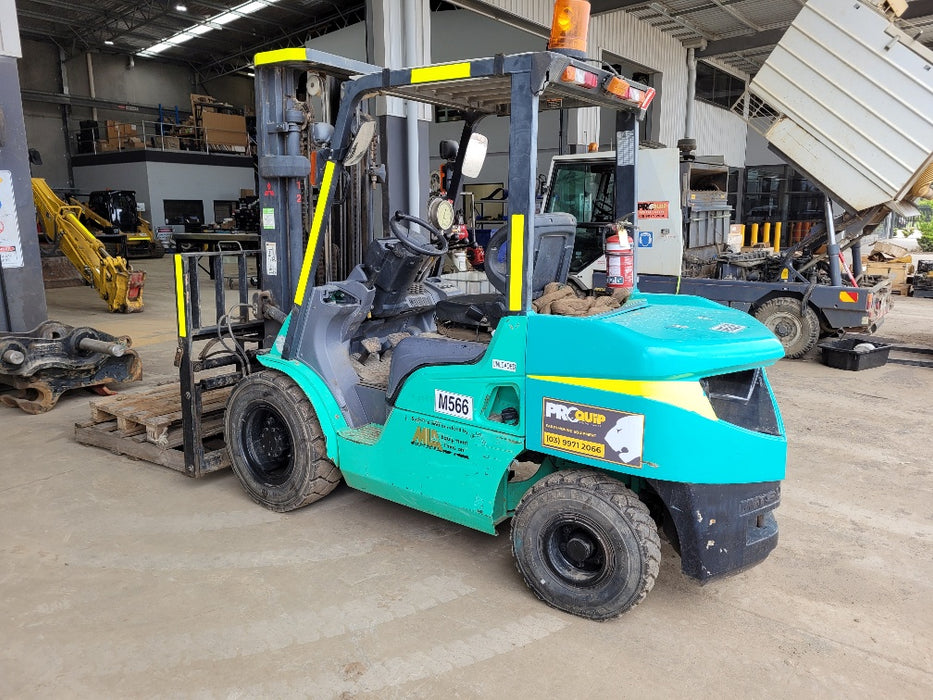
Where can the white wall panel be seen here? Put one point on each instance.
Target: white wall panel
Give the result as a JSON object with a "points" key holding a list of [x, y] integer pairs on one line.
{"points": [[719, 132]]}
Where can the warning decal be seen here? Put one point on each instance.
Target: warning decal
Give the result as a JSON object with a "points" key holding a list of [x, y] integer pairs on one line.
{"points": [[653, 210], [591, 431]]}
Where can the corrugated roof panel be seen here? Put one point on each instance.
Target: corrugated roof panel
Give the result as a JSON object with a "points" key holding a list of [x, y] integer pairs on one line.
{"points": [[715, 22]]}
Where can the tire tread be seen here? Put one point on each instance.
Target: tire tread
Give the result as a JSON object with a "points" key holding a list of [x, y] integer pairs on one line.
{"points": [[623, 499]]}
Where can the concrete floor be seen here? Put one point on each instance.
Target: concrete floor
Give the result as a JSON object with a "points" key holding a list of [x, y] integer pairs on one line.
{"points": [[119, 578]]}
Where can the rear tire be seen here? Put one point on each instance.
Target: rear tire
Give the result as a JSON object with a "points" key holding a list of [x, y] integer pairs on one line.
{"points": [[798, 331], [585, 544], [275, 443]]}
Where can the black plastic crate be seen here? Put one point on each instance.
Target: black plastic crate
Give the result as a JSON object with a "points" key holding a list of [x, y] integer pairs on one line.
{"points": [[841, 354]]}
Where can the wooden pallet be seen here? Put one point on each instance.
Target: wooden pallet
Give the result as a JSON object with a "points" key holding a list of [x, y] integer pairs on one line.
{"points": [[147, 425]]}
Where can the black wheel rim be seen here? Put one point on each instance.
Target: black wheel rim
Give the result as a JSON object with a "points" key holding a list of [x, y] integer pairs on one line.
{"points": [[577, 551], [785, 326], [267, 445]]}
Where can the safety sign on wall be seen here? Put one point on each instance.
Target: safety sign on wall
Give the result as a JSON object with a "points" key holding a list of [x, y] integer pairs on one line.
{"points": [[11, 245], [592, 431]]}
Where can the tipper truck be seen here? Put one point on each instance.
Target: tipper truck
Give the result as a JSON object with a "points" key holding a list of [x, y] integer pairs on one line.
{"points": [[841, 99]]}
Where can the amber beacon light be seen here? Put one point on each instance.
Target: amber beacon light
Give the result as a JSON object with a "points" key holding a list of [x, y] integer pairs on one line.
{"points": [[569, 27]]}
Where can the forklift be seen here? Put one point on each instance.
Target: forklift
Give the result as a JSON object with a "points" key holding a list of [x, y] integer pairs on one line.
{"points": [[590, 433]]}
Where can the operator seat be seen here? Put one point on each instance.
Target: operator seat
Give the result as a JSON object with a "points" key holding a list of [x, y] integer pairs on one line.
{"points": [[553, 250], [552, 253]]}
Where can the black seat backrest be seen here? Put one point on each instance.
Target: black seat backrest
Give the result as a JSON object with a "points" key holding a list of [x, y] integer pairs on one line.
{"points": [[417, 351], [553, 251]]}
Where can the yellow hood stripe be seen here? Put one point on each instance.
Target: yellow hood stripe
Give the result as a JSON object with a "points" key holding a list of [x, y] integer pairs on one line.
{"points": [[686, 395]]}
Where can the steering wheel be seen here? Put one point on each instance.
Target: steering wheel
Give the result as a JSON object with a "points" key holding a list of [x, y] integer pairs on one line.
{"points": [[438, 244]]}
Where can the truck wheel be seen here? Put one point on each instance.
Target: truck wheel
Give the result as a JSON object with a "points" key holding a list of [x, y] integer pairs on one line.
{"points": [[275, 443], [798, 332], [585, 544]]}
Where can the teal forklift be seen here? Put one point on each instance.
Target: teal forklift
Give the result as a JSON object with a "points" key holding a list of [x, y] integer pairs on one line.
{"points": [[590, 434]]}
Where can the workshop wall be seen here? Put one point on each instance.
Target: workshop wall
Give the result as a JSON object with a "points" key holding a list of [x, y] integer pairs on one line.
{"points": [[141, 85]]}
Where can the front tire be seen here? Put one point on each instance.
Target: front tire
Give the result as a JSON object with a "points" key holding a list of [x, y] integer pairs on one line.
{"points": [[797, 330], [585, 544], [275, 443]]}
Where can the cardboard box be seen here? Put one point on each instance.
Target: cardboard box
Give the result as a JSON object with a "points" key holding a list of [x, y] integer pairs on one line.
{"points": [[170, 142], [224, 129], [247, 193], [105, 146], [898, 272]]}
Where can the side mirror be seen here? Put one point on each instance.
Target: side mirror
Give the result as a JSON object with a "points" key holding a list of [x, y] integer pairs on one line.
{"points": [[360, 145], [475, 155]]}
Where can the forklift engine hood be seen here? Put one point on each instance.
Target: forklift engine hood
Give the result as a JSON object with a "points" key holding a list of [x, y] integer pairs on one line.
{"points": [[655, 337]]}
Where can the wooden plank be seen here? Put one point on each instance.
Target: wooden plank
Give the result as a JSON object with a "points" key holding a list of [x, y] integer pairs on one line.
{"points": [[106, 435], [102, 437]]}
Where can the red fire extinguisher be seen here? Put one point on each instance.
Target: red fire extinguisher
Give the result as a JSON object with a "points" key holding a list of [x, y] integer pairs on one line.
{"points": [[620, 262]]}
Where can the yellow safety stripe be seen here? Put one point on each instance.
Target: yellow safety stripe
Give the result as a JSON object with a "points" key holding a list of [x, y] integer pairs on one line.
{"points": [[180, 297], [686, 395], [315, 232], [516, 261], [280, 56], [432, 74]]}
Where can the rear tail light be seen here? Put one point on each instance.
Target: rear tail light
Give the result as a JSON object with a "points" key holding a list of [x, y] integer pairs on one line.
{"points": [[618, 87], [578, 76]]}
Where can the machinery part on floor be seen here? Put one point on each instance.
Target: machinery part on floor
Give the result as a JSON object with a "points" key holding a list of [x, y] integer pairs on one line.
{"points": [[114, 279], [357, 382], [115, 212], [794, 323], [42, 364], [585, 543]]}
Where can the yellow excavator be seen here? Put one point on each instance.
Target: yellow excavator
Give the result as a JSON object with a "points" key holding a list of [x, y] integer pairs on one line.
{"points": [[114, 279], [114, 211]]}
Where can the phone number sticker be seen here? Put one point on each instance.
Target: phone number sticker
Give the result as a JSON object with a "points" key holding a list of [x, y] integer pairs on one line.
{"points": [[593, 431]]}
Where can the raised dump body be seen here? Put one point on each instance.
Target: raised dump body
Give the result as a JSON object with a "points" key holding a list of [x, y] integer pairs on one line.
{"points": [[847, 97]]}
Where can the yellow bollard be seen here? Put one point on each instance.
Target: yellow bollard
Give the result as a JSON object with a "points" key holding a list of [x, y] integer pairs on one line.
{"points": [[777, 237], [766, 234], [754, 234]]}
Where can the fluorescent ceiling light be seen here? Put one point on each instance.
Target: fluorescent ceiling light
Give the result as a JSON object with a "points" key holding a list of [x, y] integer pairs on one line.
{"points": [[108, 42], [215, 22]]}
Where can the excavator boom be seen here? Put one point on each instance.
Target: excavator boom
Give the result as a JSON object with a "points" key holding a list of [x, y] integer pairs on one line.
{"points": [[113, 278]]}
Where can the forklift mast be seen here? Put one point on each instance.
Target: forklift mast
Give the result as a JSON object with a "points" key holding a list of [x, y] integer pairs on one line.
{"points": [[284, 166], [512, 85]]}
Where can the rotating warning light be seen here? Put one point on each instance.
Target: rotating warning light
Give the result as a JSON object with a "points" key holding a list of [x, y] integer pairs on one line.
{"points": [[569, 28]]}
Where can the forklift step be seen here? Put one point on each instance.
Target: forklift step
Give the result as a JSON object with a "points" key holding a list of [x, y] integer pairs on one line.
{"points": [[367, 435], [147, 425]]}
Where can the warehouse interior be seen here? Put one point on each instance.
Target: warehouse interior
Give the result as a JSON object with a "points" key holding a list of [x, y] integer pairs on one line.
{"points": [[396, 348]]}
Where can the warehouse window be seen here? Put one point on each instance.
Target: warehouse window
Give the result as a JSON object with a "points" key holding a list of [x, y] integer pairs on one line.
{"points": [[189, 212], [718, 87]]}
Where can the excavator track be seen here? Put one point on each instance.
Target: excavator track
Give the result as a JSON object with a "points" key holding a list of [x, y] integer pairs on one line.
{"points": [[117, 283]]}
